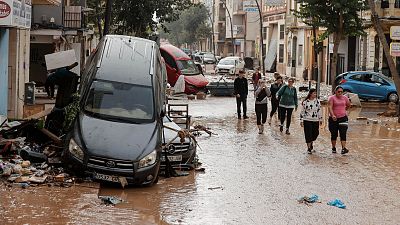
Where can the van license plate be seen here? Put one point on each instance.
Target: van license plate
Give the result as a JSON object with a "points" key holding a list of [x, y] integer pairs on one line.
{"points": [[172, 158], [105, 177]]}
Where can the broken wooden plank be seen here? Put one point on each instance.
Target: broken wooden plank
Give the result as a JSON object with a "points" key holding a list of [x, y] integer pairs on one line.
{"points": [[52, 136], [41, 114]]}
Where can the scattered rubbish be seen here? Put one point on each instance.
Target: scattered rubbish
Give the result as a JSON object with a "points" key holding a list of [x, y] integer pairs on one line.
{"points": [[337, 203], [362, 118], [201, 169], [110, 200], [215, 188], [309, 199]]}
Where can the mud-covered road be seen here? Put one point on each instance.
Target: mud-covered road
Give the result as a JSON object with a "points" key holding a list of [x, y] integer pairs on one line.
{"points": [[249, 179]]}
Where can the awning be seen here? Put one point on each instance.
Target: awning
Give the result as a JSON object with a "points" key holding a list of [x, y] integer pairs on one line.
{"points": [[46, 2]]}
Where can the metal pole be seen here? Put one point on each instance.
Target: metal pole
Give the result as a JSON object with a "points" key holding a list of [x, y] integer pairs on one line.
{"points": [[315, 73], [261, 37], [230, 21]]}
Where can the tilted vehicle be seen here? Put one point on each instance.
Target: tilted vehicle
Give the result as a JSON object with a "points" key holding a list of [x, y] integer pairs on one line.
{"points": [[368, 85], [118, 131], [229, 66], [179, 64]]}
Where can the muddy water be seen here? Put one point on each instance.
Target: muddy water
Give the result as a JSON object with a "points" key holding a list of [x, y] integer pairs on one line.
{"points": [[249, 179]]}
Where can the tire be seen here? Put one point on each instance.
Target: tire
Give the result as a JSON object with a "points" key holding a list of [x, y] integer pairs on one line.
{"points": [[393, 97]]}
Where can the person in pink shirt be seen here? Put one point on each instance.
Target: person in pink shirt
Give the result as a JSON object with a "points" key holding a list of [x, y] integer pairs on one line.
{"points": [[338, 121]]}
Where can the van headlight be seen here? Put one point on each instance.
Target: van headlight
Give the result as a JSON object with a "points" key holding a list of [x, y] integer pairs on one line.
{"points": [[148, 160], [75, 150]]}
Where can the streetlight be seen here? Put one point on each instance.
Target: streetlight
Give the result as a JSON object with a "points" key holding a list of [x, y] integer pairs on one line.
{"points": [[261, 36], [230, 20], [315, 48]]}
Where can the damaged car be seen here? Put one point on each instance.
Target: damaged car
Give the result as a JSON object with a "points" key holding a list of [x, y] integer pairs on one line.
{"points": [[117, 134]]}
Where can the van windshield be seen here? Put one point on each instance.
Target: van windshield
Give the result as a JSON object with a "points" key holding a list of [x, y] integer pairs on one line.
{"points": [[187, 67], [120, 101]]}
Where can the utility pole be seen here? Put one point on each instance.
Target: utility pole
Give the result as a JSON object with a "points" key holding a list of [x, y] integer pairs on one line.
{"points": [[107, 18], [261, 37], [386, 49], [230, 21]]}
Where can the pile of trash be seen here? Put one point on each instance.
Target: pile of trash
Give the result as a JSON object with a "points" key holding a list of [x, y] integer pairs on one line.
{"points": [[23, 173], [30, 155]]}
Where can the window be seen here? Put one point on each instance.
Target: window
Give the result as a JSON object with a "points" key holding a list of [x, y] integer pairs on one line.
{"points": [[282, 32], [397, 4], [187, 67], [264, 32], [120, 101], [169, 60], [356, 77], [281, 54], [300, 55]]}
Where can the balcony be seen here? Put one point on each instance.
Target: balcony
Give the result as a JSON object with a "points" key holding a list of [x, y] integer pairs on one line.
{"points": [[238, 8], [239, 31], [388, 8]]}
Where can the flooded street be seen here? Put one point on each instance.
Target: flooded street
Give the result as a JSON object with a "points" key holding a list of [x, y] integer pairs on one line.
{"points": [[249, 178]]}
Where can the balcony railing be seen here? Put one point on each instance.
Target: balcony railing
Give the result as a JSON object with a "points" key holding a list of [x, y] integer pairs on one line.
{"points": [[73, 17], [238, 8]]}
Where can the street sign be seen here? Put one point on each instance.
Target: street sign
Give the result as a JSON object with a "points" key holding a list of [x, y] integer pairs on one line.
{"points": [[395, 49], [395, 32], [274, 2], [250, 6]]}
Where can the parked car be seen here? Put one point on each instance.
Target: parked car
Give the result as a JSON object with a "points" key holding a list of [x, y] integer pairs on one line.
{"points": [[368, 85], [209, 58], [229, 66], [180, 64], [118, 131], [179, 154]]}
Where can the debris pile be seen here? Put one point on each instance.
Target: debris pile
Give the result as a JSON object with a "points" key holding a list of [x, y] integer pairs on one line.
{"points": [[23, 173]]}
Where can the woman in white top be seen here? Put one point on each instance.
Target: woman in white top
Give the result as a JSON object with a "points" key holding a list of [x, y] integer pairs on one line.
{"points": [[311, 118]]}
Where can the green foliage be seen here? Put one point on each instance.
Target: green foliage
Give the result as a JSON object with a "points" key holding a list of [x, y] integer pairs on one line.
{"points": [[136, 17], [190, 27], [326, 13], [71, 111]]}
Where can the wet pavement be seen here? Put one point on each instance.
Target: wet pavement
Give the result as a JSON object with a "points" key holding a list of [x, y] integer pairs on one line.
{"points": [[249, 179]]}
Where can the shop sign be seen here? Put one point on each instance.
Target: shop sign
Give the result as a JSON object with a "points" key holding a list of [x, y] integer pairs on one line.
{"points": [[15, 13], [395, 32], [395, 49], [5, 9]]}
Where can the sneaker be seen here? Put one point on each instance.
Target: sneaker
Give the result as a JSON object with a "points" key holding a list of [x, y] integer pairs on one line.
{"points": [[287, 131], [281, 128], [269, 121], [245, 117], [345, 151], [260, 131], [333, 150], [309, 151], [262, 128]]}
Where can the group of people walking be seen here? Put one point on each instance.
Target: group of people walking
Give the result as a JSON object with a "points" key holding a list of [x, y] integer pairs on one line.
{"points": [[284, 101]]}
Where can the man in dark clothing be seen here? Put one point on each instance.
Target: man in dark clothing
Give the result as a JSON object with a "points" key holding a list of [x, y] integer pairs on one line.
{"points": [[274, 100], [241, 90], [49, 85]]}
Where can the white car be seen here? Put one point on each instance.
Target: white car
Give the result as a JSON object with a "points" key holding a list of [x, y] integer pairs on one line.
{"points": [[229, 66]]}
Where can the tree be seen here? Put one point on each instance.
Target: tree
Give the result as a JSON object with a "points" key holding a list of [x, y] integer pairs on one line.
{"points": [[190, 27], [340, 18], [386, 50], [97, 15], [141, 17]]}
